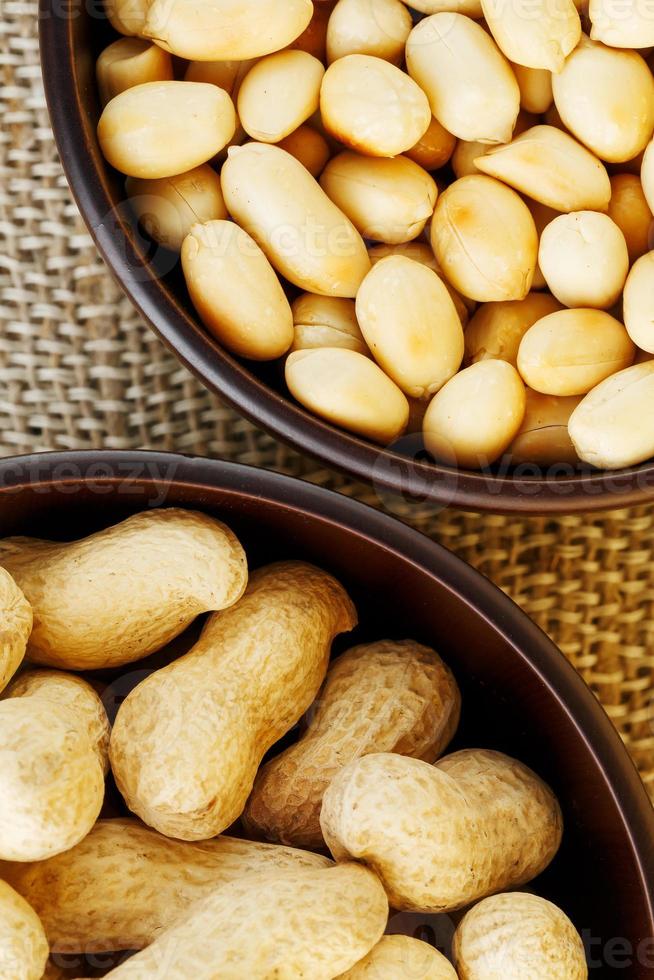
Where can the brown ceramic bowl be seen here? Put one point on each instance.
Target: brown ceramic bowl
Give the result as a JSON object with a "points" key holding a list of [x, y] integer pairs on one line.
{"points": [[519, 694], [72, 34]]}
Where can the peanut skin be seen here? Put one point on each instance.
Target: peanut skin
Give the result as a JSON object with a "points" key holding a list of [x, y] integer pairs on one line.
{"points": [[124, 884], [401, 958], [297, 923], [518, 936], [120, 594], [475, 823], [15, 627], [188, 740], [389, 696], [54, 735], [23, 946]]}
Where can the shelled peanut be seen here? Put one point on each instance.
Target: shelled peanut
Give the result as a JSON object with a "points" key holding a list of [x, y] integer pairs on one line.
{"points": [[366, 779], [339, 124]]}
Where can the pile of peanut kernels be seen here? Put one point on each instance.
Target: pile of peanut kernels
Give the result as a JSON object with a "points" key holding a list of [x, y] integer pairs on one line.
{"points": [[362, 815], [460, 189]]}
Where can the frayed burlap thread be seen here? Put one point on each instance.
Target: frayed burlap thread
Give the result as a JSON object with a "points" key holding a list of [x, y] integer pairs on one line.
{"points": [[79, 370]]}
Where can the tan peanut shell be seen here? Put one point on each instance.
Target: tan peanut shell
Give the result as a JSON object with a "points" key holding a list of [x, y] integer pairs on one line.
{"points": [[15, 627], [552, 167], [23, 946], [389, 696], [53, 745], [518, 936], [226, 29], [297, 923], [401, 958], [304, 235], [187, 742], [124, 884], [475, 823], [124, 592]]}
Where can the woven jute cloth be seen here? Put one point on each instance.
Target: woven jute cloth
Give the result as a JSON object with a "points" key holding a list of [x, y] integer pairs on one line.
{"points": [[80, 370]]}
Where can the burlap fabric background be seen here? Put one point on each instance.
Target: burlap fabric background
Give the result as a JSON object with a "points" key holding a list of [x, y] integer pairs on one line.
{"points": [[79, 370]]}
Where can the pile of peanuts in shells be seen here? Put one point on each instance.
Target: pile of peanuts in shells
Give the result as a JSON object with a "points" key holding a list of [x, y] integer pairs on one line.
{"points": [[365, 815], [460, 190]]}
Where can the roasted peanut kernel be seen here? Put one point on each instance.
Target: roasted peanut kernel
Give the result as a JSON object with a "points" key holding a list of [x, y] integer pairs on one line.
{"points": [[638, 303], [471, 88], [584, 259], [410, 324], [236, 292], [606, 99], [484, 239], [496, 329], [278, 94], [350, 390], [553, 168], [226, 29], [629, 209], [387, 200], [161, 129], [536, 35], [621, 25], [535, 88], [475, 416], [571, 351], [434, 148], [375, 27], [613, 426], [326, 321], [543, 437], [304, 235], [128, 62], [168, 208], [372, 106], [309, 147]]}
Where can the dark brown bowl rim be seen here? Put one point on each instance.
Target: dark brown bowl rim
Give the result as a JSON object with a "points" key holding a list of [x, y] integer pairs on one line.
{"points": [[65, 470], [388, 471]]}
